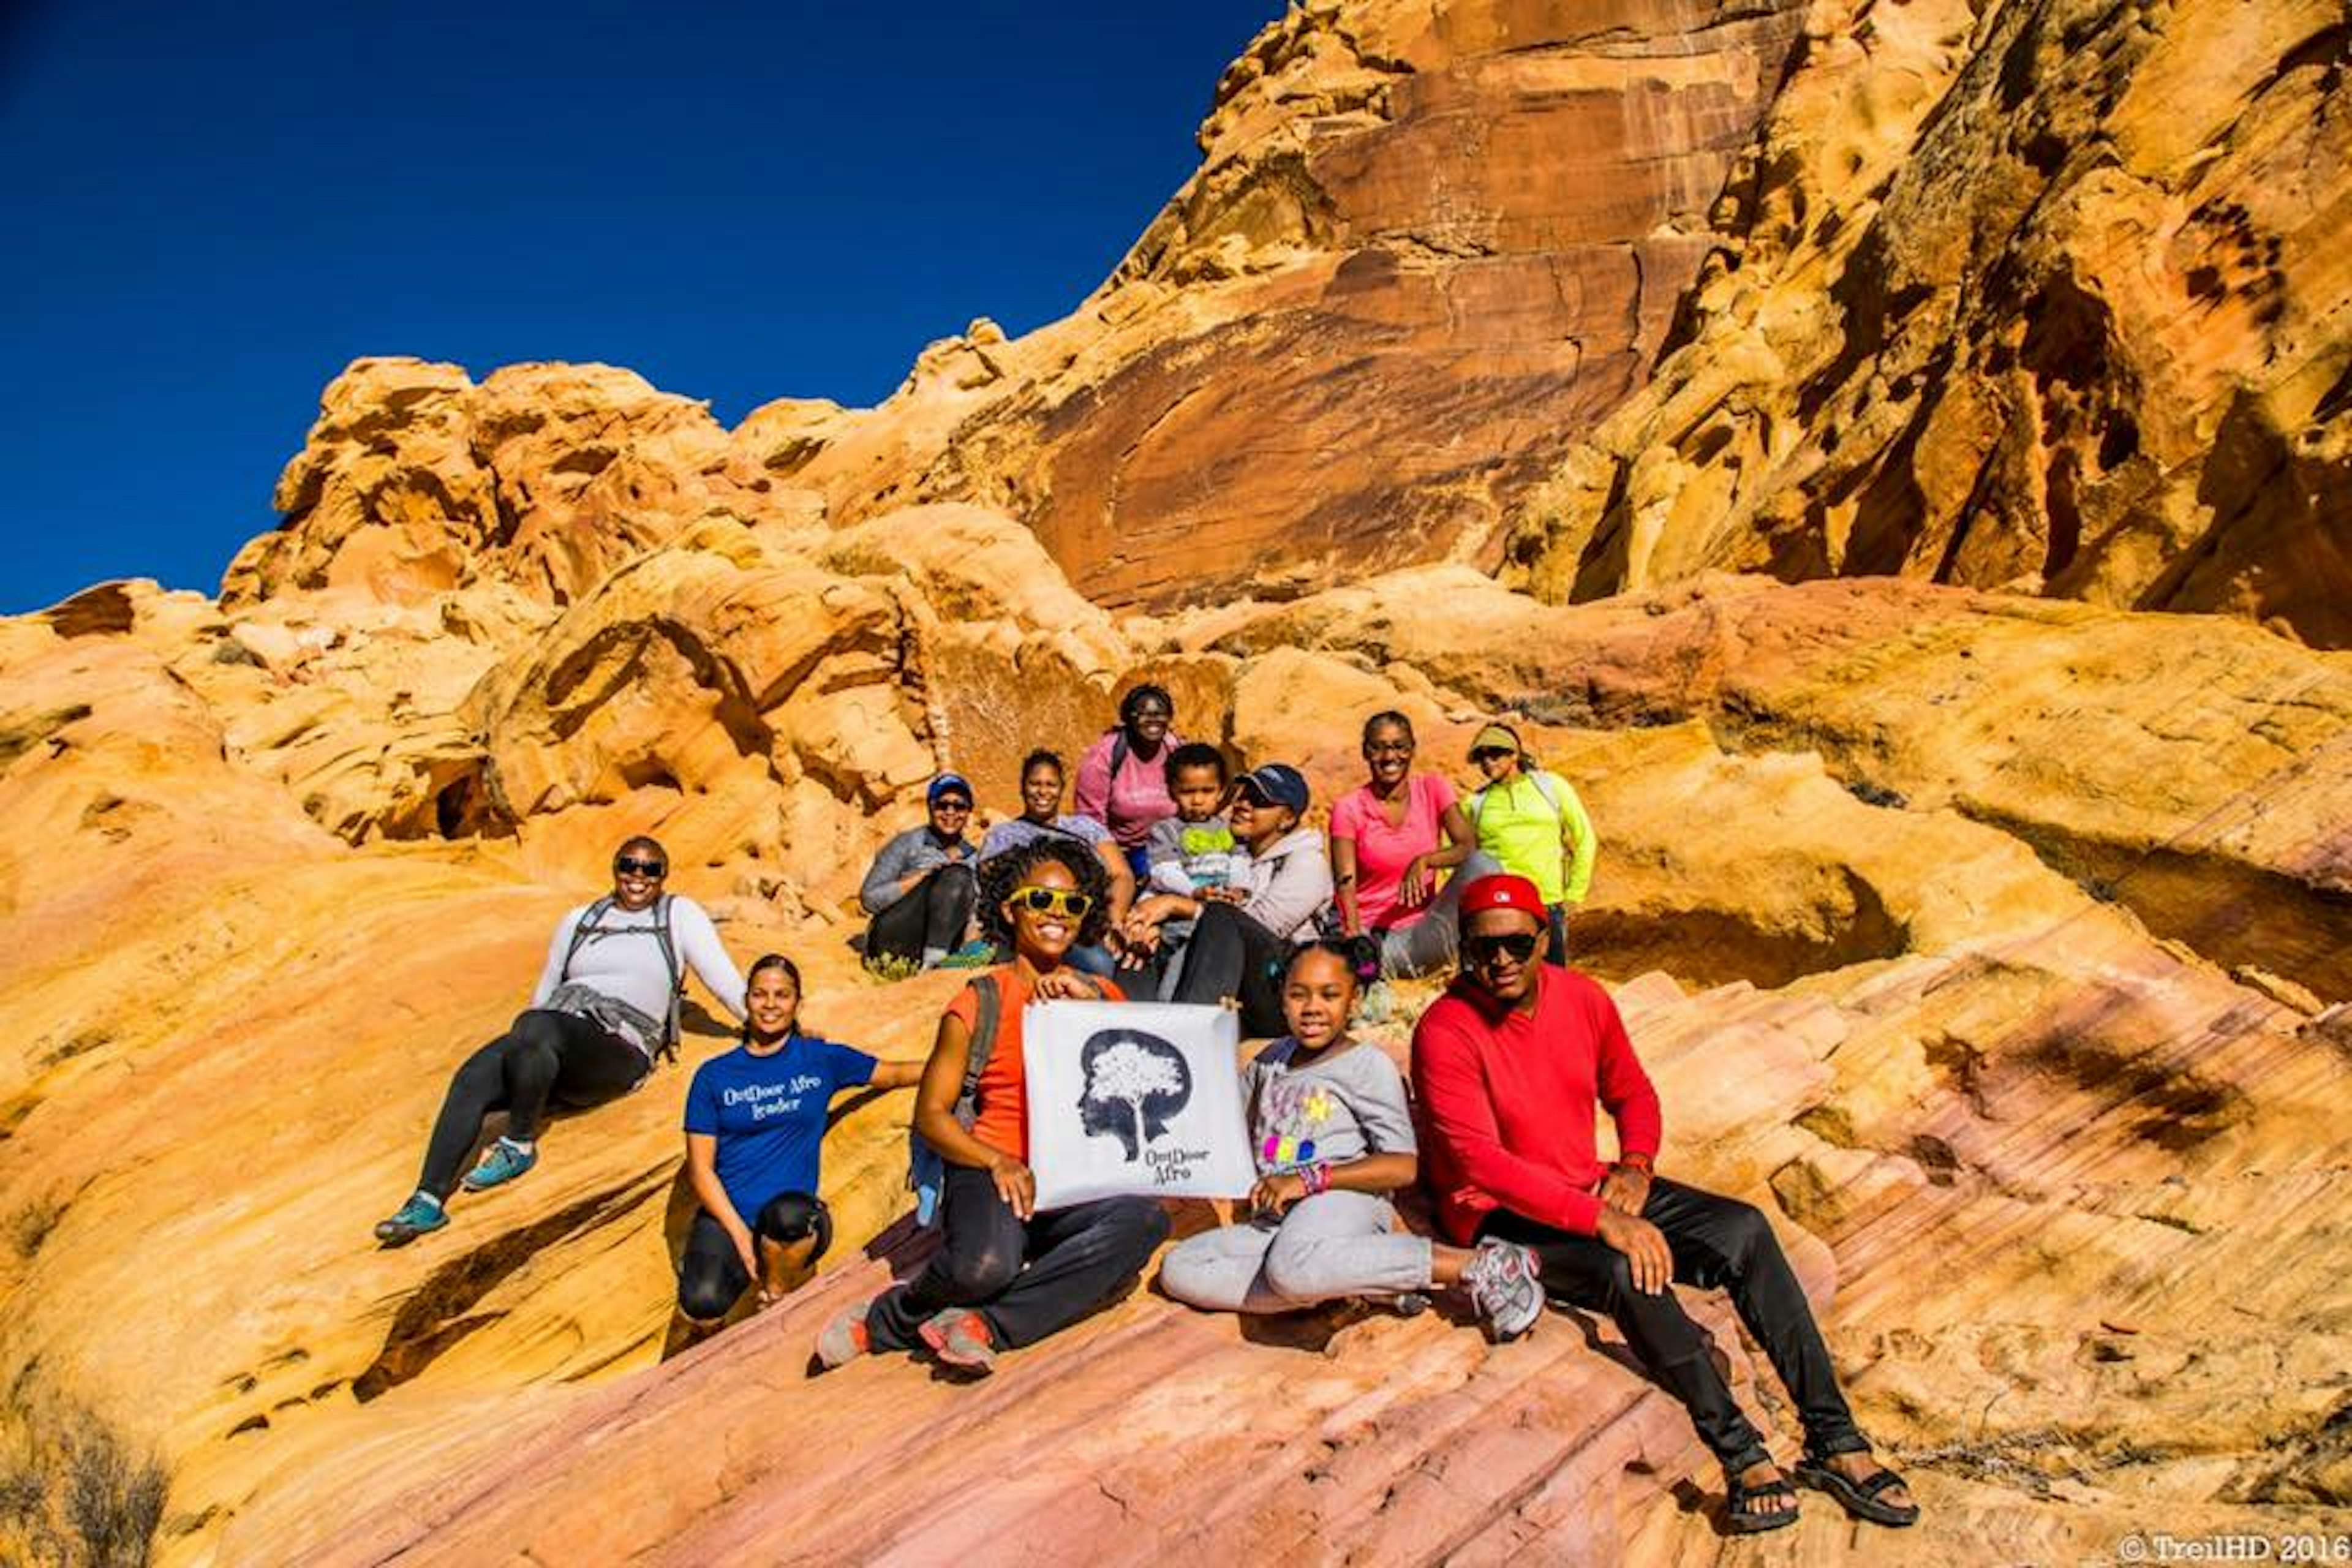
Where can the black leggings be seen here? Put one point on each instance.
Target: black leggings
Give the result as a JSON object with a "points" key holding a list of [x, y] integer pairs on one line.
{"points": [[1716, 1241], [1233, 955], [710, 1278], [932, 914], [543, 1056], [1028, 1279]]}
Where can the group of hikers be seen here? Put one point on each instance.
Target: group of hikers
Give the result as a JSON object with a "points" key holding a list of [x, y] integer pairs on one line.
{"points": [[1173, 881]]}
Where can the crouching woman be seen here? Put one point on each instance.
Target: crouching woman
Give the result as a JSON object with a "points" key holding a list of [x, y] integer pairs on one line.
{"points": [[1333, 1138], [755, 1125], [1007, 1276]]}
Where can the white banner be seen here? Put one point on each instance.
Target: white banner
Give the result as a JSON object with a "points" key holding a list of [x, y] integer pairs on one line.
{"points": [[1138, 1097]]}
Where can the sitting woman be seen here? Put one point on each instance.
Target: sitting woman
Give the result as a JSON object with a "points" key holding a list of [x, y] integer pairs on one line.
{"points": [[1333, 1138], [605, 1007], [1529, 822], [1123, 776], [921, 888], [1241, 933], [1004, 1275], [1390, 838], [1041, 818], [755, 1123]]}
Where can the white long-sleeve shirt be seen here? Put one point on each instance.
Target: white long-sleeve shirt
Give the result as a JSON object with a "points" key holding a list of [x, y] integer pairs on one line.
{"points": [[622, 959]]}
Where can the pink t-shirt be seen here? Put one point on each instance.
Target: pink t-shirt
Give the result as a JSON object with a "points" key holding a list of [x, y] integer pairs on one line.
{"points": [[1382, 852]]}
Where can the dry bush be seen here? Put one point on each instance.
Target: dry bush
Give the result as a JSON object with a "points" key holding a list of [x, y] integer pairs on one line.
{"points": [[75, 1492]]}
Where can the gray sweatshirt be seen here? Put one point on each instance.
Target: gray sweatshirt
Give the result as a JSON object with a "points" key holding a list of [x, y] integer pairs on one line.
{"points": [[916, 849], [1288, 885]]}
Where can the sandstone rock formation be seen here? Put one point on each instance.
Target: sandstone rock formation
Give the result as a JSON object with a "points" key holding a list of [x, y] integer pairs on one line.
{"points": [[1994, 944], [2044, 295], [1475, 218]]}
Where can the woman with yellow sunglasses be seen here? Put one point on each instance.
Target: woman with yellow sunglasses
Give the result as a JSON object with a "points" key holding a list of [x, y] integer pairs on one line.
{"points": [[977, 1296]]}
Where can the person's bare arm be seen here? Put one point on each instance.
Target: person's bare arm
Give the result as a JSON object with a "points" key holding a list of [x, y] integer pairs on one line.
{"points": [[1122, 880], [941, 1086], [702, 1176], [895, 1075], [1343, 886], [1372, 1174]]}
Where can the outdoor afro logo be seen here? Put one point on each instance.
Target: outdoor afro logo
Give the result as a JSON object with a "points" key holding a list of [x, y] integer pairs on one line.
{"points": [[1135, 1085]]}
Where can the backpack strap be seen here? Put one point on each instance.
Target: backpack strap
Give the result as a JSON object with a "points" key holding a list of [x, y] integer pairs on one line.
{"points": [[987, 1013], [581, 932], [1551, 798], [671, 1029]]}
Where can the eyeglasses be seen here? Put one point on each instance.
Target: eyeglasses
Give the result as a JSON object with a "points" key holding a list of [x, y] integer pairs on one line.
{"points": [[1389, 748], [1161, 713], [1481, 951], [627, 867], [1066, 903]]}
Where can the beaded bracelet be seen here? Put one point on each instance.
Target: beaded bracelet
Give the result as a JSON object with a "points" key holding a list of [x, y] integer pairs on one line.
{"points": [[1634, 1163], [1315, 1178]]}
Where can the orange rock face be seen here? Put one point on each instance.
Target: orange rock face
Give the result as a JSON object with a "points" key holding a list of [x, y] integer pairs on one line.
{"points": [[1992, 944], [2039, 296], [1473, 219]]}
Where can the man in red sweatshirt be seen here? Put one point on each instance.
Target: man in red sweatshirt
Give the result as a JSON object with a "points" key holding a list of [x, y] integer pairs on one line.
{"points": [[1507, 1067]]}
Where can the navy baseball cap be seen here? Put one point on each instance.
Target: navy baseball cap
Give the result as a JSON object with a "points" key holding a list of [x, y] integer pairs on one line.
{"points": [[1276, 783], [948, 783]]}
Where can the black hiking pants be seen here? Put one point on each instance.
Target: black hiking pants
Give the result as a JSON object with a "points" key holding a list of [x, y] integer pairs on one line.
{"points": [[1029, 1279], [1717, 1242], [1229, 954], [710, 1277], [544, 1056], [934, 913]]}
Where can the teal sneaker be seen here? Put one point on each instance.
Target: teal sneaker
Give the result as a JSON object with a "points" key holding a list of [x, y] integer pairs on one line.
{"points": [[417, 1216], [502, 1162], [970, 955]]}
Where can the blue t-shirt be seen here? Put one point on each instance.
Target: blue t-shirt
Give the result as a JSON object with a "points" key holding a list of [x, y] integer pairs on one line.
{"points": [[768, 1114]]}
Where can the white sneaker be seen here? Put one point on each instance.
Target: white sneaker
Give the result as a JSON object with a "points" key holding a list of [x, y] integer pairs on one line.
{"points": [[1506, 1285]]}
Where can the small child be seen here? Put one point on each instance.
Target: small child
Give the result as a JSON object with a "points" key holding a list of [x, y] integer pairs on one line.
{"points": [[1195, 851], [1333, 1138]]}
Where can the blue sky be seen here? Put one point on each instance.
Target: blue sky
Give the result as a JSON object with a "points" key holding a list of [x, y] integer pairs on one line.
{"points": [[211, 209]]}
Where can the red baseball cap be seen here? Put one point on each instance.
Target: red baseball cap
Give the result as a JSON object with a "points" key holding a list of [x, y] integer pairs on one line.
{"points": [[1501, 892]]}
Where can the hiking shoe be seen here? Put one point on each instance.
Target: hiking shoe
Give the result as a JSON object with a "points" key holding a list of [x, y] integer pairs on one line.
{"points": [[845, 1339], [502, 1162], [970, 955], [415, 1217], [960, 1338], [1506, 1287]]}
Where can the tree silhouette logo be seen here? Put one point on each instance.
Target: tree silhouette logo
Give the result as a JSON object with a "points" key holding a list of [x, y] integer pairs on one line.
{"points": [[1135, 1084]]}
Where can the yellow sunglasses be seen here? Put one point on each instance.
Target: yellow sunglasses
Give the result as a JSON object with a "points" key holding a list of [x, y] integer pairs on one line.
{"points": [[1069, 904]]}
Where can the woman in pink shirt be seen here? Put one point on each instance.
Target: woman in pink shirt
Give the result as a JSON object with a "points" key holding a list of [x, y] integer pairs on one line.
{"points": [[1123, 777], [1390, 841]]}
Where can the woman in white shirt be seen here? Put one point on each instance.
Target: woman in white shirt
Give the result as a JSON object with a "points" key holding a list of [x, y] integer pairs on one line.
{"points": [[605, 1007]]}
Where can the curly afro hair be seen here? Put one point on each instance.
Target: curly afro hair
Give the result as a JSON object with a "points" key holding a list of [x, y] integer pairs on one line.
{"points": [[1001, 874]]}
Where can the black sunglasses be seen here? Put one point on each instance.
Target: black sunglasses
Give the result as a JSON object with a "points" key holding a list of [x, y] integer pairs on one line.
{"points": [[1519, 946], [628, 867]]}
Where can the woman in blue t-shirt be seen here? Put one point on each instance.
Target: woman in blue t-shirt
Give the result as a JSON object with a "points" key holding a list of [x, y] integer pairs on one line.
{"points": [[755, 1120]]}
